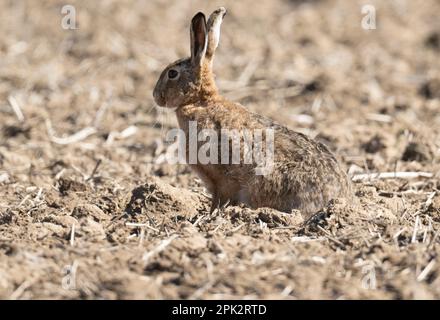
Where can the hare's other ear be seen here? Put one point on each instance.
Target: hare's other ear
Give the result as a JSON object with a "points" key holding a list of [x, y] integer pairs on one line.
{"points": [[214, 23], [199, 39]]}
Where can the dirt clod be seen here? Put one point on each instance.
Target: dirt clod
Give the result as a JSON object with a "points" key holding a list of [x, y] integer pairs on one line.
{"points": [[375, 144], [416, 152]]}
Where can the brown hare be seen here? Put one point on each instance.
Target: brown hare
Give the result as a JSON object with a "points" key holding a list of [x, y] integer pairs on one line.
{"points": [[304, 174]]}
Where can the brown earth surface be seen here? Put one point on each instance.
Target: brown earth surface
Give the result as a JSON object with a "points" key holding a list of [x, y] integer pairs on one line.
{"points": [[107, 217]]}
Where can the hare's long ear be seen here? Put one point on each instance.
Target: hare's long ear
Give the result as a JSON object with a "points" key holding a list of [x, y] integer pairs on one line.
{"points": [[214, 23], [199, 39]]}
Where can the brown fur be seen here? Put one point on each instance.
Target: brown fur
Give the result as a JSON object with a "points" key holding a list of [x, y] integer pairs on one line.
{"points": [[305, 176]]}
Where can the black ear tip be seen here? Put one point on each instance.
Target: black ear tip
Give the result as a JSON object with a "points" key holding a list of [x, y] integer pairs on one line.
{"points": [[199, 16]]}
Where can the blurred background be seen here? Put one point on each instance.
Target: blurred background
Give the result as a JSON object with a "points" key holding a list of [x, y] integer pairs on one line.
{"points": [[304, 63], [77, 103], [308, 64]]}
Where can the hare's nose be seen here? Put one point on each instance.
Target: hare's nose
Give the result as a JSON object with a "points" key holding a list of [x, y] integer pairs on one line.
{"points": [[159, 97], [156, 92]]}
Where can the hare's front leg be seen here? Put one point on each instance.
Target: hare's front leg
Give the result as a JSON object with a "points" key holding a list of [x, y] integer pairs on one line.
{"points": [[209, 185], [215, 202], [220, 199], [225, 193]]}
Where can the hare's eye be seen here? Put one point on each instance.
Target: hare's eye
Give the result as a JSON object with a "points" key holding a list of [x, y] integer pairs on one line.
{"points": [[172, 74]]}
